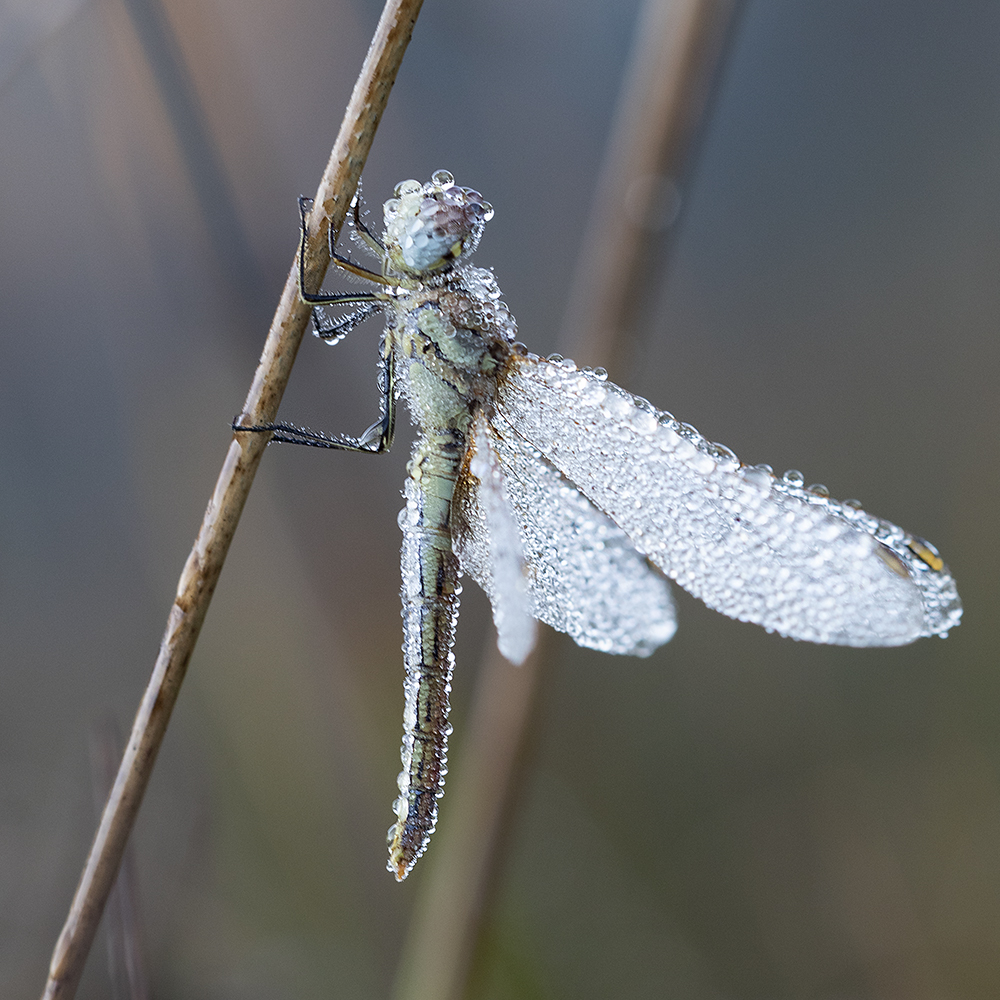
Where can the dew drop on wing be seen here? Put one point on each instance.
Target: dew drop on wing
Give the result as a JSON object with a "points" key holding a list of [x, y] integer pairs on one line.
{"points": [[808, 567], [586, 579]]}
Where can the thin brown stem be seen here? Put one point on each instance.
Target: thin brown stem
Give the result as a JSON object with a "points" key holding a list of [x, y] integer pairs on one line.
{"points": [[201, 572], [676, 48], [122, 917]]}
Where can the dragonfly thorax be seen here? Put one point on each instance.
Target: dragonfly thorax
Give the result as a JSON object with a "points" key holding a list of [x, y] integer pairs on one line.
{"points": [[428, 227], [451, 341]]}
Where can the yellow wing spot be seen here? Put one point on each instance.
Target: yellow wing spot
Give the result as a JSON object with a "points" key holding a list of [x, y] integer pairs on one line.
{"points": [[926, 552]]}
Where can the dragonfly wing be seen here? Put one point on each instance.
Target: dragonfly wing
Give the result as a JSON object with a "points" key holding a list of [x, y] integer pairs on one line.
{"points": [[502, 552], [754, 547], [584, 576]]}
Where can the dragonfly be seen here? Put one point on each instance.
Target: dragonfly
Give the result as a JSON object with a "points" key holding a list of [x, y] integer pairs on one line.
{"points": [[571, 501]]}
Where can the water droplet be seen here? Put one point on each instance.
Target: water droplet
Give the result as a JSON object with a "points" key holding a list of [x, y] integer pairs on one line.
{"points": [[555, 358], [884, 530], [618, 405], [853, 504], [793, 477], [691, 434], [371, 435], [757, 476], [404, 188], [593, 394], [600, 374], [645, 421], [722, 454], [702, 463], [442, 178], [819, 489], [686, 449]]}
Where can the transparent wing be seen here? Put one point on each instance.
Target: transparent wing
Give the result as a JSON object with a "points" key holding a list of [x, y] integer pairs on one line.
{"points": [[504, 556], [584, 576], [754, 547]]}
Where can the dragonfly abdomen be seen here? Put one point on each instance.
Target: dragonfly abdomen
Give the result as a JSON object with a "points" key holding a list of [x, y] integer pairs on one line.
{"points": [[430, 613]]}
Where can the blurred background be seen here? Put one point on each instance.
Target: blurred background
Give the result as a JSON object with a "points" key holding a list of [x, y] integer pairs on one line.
{"points": [[777, 820]]}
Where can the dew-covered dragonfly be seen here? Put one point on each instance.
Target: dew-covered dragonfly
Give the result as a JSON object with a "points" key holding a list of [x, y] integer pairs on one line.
{"points": [[568, 500]]}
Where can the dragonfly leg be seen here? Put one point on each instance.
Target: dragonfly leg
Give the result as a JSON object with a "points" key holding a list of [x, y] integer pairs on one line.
{"points": [[324, 298], [367, 236], [334, 330], [375, 440]]}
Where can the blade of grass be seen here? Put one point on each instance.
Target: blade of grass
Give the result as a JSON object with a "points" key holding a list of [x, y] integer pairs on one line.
{"points": [[201, 572]]}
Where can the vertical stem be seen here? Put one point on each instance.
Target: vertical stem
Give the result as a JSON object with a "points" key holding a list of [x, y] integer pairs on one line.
{"points": [[677, 47], [204, 564]]}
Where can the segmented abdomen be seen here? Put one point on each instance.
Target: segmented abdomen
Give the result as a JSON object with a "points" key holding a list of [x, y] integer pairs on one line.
{"points": [[430, 613]]}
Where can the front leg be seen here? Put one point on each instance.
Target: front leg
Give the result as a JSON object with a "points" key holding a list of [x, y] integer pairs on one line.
{"points": [[334, 331], [364, 233], [324, 298]]}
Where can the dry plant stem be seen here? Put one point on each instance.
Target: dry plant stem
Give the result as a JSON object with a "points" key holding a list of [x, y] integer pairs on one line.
{"points": [[677, 44], [204, 564], [126, 959]]}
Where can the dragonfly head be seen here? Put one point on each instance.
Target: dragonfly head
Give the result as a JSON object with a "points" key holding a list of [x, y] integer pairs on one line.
{"points": [[429, 227]]}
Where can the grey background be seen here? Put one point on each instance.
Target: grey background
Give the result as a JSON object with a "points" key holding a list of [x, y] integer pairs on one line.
{"points": [[773, 820]]}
